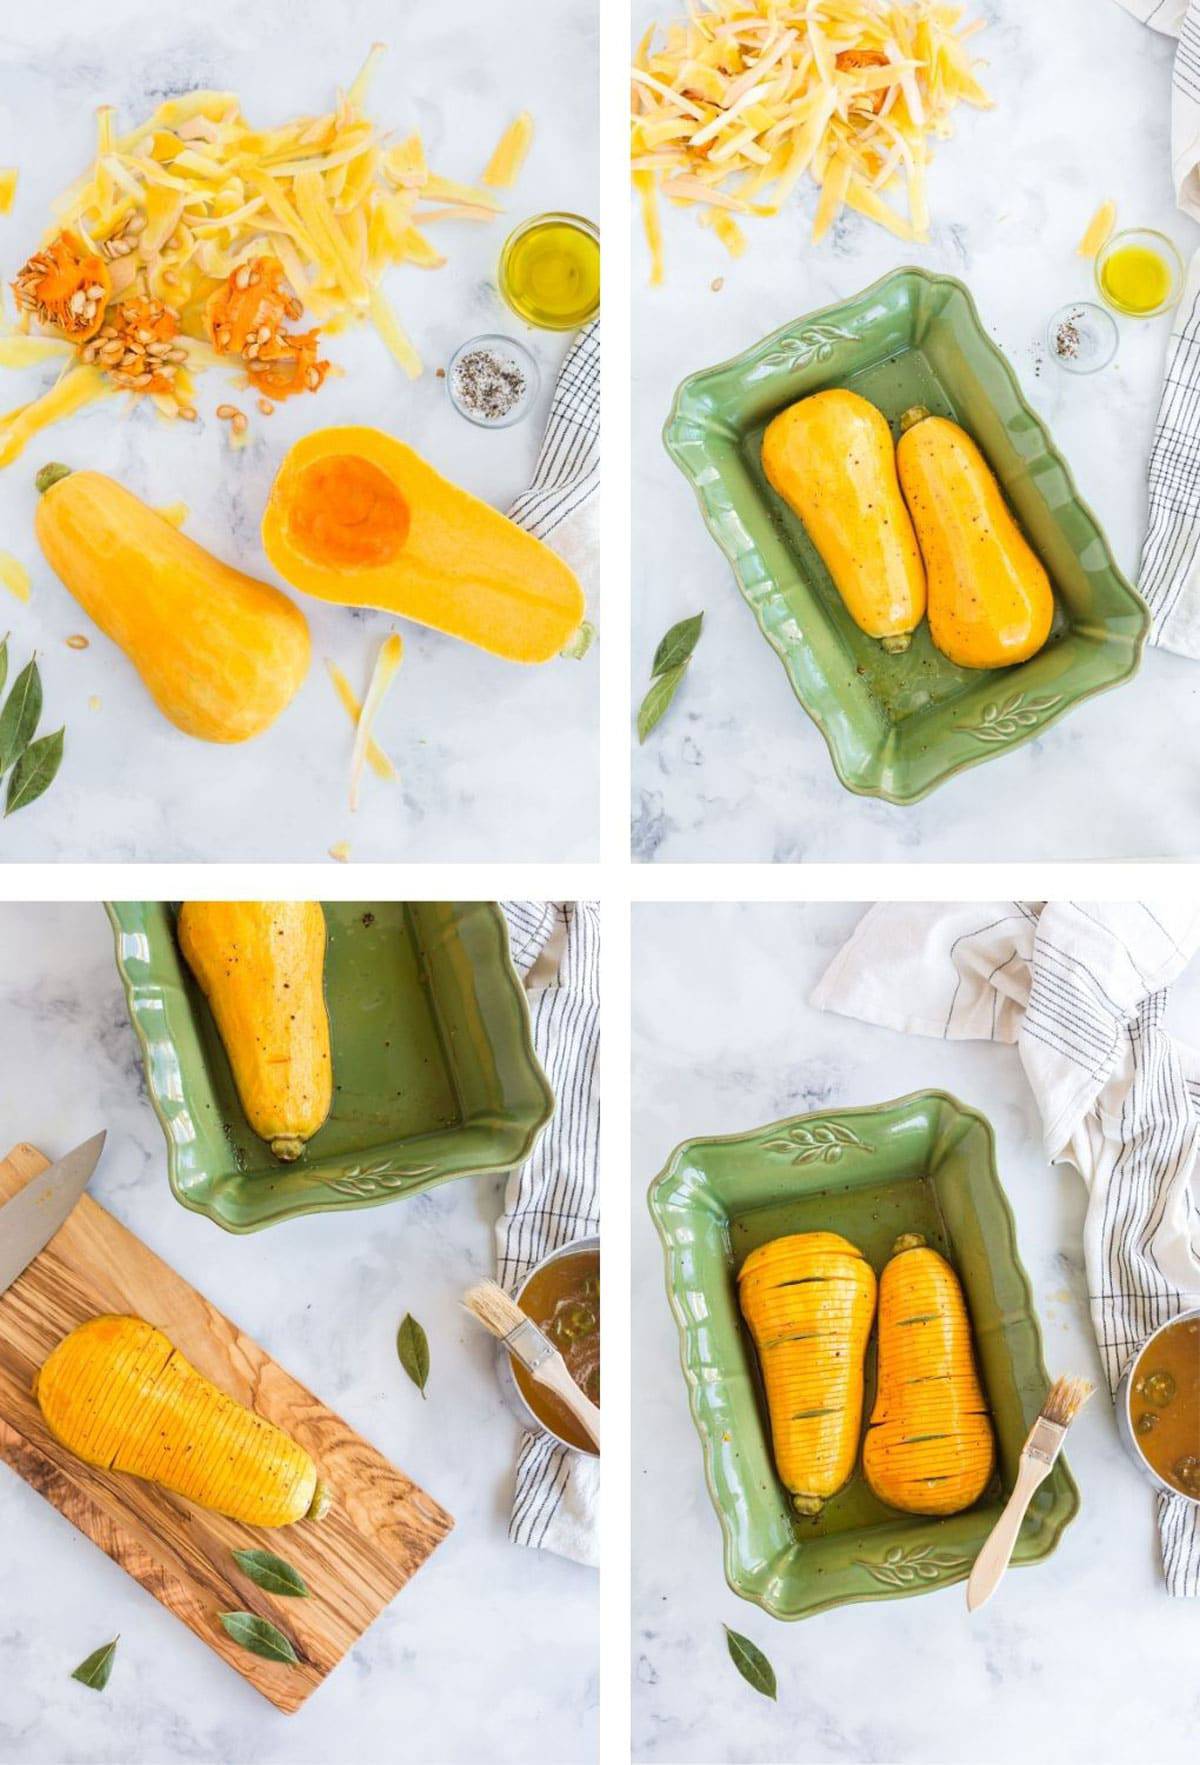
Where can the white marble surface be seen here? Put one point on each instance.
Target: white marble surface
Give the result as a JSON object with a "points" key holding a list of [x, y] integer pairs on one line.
{"points": [[1082, 1659], [489, 1652], [737, 771], [467, 731]]}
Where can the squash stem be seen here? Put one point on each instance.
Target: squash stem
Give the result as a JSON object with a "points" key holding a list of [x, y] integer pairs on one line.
{"points": [[907, 1241], [287, 1147], [915, 414], [808, 1504], [51, 475], [896, 644], [321, 1502]]}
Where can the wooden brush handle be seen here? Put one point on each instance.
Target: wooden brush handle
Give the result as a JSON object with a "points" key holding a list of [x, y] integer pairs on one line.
{"points": [[998, 1547], [555, 1377]]}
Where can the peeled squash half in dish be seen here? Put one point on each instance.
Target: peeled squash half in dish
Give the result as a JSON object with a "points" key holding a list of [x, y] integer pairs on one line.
{"points": [[990, 600], [930, 1447], [118, 1394], [808, 1300], [358, 517], [832, 460]]}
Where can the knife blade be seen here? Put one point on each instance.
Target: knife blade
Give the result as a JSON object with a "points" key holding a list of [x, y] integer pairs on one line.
{"points": [[31, 1218]]}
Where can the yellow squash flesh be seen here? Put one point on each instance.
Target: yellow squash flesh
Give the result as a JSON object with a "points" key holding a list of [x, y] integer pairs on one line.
{"points": [[220, 653], [808, 1300], [261, 966], [117, 1394], [990, 600], [830, 457], [357, 517], [929, 1447]]}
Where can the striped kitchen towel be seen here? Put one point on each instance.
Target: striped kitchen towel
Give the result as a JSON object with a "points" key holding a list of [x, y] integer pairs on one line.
{"points": [[561, 505], [1080, 988], [554, 1198], [1169, 574]]}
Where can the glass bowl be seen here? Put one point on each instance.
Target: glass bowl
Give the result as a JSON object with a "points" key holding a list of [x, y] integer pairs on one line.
{"points": [[507, 350], [568, 321], [1085, 328], [1162, 247]]}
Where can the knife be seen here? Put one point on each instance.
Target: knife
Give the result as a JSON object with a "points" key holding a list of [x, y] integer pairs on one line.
{"points": [[33, 1216]]}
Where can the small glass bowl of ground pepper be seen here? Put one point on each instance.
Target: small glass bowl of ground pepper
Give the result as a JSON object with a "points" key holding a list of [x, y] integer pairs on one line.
{"points": [[492, 381], [1082, 337]]}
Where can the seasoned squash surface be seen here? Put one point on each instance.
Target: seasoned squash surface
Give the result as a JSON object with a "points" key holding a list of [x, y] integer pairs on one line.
{"points": [[831, 458], [808, 1300], [261, 966], [929, 1447]]}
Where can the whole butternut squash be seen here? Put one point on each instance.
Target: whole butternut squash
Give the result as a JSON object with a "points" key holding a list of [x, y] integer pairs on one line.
{"points": [[261, 966], [808, 1300], [357, 517], [117, 1394], [220, 653], [929, 1447], [990, 600], [830, 457]]}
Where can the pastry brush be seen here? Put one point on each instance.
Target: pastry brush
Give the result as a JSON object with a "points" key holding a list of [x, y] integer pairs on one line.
{"points": [[536, 1353], [1063, 1403]]}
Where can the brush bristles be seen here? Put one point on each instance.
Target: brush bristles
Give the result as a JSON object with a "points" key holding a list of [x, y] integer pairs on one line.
{"points": [[1065, 1400], [494, 1309]]}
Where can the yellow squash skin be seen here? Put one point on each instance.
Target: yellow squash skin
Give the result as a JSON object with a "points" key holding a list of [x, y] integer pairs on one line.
{"points": [[990, 600], [830, 457], [118, 1395], [261, 966], [357, 517], [808, 1301], [221, 654], [929, 1447]]}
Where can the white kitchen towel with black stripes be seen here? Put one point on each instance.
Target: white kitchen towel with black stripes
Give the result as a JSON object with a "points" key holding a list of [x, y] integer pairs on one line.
{"points": [[561, 505], [554, 1198], [1169, 573], [1080, 989]]}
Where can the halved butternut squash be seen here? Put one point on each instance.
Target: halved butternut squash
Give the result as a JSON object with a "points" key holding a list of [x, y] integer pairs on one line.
{"points": [[357, 517]]}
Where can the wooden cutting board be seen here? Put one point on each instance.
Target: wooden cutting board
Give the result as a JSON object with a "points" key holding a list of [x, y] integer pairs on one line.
{"points": [[378, 1533]]}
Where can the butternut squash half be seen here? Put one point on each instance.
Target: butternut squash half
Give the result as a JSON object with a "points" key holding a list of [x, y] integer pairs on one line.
{"points": [[261, 966], [117, 1394], [220, 654], [929, 1447], [808, 1300], [832, 460], [990, 600], [356, 517]]}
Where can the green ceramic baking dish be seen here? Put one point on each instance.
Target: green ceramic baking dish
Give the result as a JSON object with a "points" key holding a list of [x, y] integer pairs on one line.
{"points": [[924, 1164], [897, 726], [433, 1064]]}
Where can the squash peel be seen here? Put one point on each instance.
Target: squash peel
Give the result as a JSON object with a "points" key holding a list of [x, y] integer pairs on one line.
{"points": [[743, 97]]}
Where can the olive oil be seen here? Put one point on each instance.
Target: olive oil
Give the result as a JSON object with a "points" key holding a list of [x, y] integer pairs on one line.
{"points": [[550, 272], [1138, 273]]}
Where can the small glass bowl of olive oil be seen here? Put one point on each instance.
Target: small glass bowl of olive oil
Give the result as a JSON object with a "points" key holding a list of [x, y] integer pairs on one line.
{"points": [[1139, 273], [550, 271]]}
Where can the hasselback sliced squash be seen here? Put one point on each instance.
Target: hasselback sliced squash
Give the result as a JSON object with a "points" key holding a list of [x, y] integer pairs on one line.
{"points": [[261, 966], [118, 1394], [929, 1448], [808, 1300]]}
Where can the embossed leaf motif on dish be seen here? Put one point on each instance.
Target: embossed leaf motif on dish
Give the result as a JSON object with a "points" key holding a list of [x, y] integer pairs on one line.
{"points": [[818, 1141], [999, 723], [815, 343], [901, 1568]]}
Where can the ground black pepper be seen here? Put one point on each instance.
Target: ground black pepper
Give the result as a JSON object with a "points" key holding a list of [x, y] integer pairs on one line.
{"points": [[488, 386]]}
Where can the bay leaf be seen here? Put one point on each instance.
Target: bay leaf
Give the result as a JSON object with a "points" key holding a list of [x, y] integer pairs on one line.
{"points": [[35, 771], [412, 1345], [95, 1670], [260, 1636], [19, 718], [653, 707], [677, 646], [750, 1662], [3, 660], [267, 1570]]}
